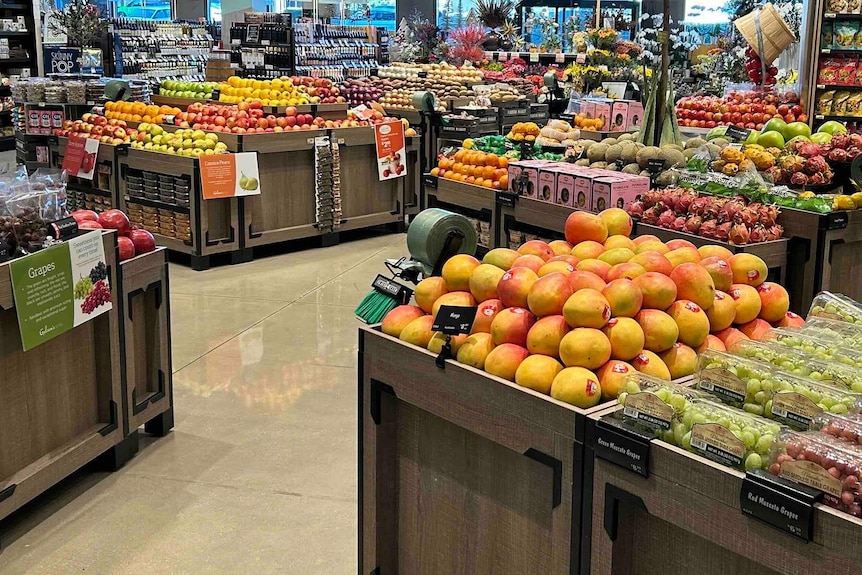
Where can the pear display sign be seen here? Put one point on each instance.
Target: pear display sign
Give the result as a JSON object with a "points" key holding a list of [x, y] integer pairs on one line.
{"points": [[230, 175]]}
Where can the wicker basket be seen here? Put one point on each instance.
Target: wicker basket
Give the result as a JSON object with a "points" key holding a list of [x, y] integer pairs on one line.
{"points": [[776, 34]]}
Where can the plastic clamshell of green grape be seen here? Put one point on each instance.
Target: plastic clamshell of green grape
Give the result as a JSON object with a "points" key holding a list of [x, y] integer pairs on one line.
{"points": [[836, 306], [798, 362], [760, 389], [850, 334], [824, 348], [654, 403], [724, 434]]}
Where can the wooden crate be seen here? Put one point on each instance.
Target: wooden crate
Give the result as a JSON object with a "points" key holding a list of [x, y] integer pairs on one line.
{"points": [[146, 332], [462, 472], [530, 213], [365, 200], [60, 403], [285, 208], [215, 227], [824, 254], [104, 185], [773, 253], [686, 518]]}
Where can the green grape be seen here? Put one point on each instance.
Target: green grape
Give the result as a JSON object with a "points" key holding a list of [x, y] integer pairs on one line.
{"points": [[753, 408], [83, 287], [622, 397], [764, 443], [748, 439], [753, 461]]}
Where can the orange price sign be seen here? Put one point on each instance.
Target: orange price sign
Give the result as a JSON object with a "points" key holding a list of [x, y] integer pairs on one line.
{"points": [[229, 175]]}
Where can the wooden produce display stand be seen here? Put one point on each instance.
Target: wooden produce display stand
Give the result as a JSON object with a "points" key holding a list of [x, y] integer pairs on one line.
{"points": [[462, 472], [146, 323], [203, 229], [686, 517], [61, 404], [825, 253], [285, 208], [528, 215], [100, 193], [773, 253]]}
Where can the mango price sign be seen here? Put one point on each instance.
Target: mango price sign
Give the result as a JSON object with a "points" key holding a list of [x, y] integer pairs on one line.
{"points": [[391, 150]]}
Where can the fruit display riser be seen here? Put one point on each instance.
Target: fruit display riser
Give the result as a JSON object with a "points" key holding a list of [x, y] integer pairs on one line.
{"points": [[436, 441], [104, 184], [181, 103], [213, 224], [532, 213], [634, 518], [146, 332], [77, 381], [824, 251], [774, 253]]}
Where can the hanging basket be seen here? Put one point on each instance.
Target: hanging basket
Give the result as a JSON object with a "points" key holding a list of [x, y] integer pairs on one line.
{"points": [[777, 36]]}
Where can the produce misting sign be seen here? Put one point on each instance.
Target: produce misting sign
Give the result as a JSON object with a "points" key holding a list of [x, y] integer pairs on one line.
{"points": [[391, 150]]}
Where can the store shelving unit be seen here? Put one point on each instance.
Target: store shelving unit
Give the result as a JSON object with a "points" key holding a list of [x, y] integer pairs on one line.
{"points": [[263, 49], [335, 52], [154, 50], [22, 43]]}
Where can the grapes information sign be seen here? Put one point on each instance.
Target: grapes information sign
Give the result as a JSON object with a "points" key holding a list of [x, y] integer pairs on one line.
{"points": [[59, 288]]}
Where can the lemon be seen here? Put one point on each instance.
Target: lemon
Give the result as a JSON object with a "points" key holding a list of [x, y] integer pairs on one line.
{"points": [[467, 144], [857, 199]]}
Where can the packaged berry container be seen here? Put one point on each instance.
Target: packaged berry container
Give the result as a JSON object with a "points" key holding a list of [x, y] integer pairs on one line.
{"points": [[836, 306], [653, 403], [813, 460], [798, 362], [724, 434], [758, 388]]}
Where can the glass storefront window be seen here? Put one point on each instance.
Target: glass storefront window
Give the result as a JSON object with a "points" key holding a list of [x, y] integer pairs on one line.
{"points": [[147, 9]]}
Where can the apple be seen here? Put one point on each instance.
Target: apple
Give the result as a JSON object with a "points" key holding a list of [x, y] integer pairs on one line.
{"points": [[115, 220], [142, 240], [126, 248], [85, 215]]}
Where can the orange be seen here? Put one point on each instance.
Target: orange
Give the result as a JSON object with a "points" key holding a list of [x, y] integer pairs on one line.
{"points": [[435, 171], [503, 162], [504, 182], [499, 173], [495, 185], [488, 184], [491, 160], [489, 172], [479, 181], [459, 155], [458, 167]]}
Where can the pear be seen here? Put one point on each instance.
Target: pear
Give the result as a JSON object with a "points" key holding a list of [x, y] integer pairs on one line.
{"points": [[251, 184], [243, 182]]}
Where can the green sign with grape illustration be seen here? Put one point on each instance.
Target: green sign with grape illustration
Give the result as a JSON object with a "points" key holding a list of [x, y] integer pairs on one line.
{"points": [[59, 288]]}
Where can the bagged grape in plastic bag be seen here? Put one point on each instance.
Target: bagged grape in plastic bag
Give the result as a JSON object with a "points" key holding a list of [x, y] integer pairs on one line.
{"points": [[12, 182], [51, 180], [32, 212]]}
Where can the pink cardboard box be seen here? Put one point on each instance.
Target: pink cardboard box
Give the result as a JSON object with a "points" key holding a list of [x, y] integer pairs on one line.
{"points": [[616, 191], [603, 113], [514, 171], [547, 188], [626, 115], [565, 189], [636, 116], [583, 192]]}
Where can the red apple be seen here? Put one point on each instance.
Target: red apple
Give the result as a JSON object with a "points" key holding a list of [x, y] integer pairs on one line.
{"points": [[127, 248], [115, 220], [142, 240]]}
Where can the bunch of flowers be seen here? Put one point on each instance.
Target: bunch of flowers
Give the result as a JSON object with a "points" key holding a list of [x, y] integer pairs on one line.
{"points": [[586, 77], [466, 44], [603, 38]]}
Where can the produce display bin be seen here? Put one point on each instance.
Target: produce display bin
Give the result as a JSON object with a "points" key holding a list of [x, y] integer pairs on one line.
{"points": [[60, 403], [825, 253], [686, 516], [462, 472], [773, 253], [533, 216], [201, 230], [99, 194], [285, 208], [476, 202], [365, 201], [146, 331]]}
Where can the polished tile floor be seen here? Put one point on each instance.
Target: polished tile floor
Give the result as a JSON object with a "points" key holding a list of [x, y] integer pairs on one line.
{"points": [[259, 473]]}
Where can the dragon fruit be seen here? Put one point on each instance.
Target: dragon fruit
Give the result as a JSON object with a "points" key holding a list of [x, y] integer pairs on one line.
{"points": [[815, 164], [722, 232], [757, 234], [698, 206], [840, 141], [636, 208], [799, 179], [650, 216], [775, 173], [678, 224], [712, 209], [855, 140], [774, 232], [666, 218], [684, 201], [766, 215], [792, 163], [808, 150], [825, 149], [728, 212], [816, 179], [749, 214], [707, 229], [693, 223], [739, 234]]}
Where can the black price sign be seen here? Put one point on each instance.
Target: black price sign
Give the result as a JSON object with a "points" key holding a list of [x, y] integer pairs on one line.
{"points": [[655, 165], [837, 220], [623, 445], [737, 134], [778, 502], [216, 94], [454, 320], [506, 199]]}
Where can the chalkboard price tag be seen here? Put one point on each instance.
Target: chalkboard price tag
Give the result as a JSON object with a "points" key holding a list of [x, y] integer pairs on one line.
{"points": [[837, 220], [737, 134], [216, 94], [454, 319], [506, 198], [780, 503], [429, 181], [623, 445]]}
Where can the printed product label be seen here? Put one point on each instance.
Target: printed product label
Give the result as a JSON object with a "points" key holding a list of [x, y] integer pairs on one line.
{"points": [[723, 384], [810, 474], [717, 443], [794, 409], [647, 409]]}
